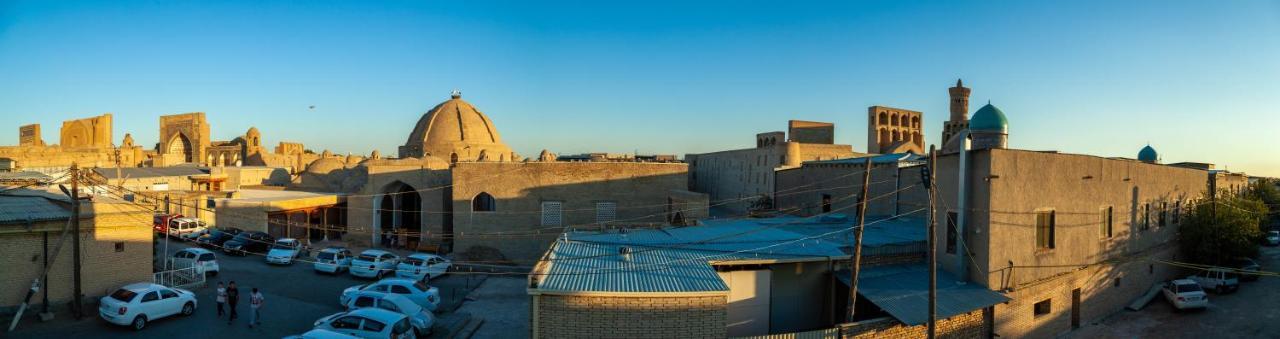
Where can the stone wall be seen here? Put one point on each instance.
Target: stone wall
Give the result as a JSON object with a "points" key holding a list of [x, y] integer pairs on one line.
{"points": [[811, 132], [29, 135], [735, 179], [116, 247], [968, 325], [92, 132], [801, 191], [560, 316]]}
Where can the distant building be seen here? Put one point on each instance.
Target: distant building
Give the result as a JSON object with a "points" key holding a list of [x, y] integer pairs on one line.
{"points": [[618, 157], [894, 130]]}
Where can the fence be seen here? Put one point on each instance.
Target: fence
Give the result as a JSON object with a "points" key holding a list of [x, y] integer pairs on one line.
{"points": [[829, 333], [183, 273]]}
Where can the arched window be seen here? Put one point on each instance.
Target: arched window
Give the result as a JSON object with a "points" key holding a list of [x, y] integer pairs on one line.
{"points": [[894, 120], [884, 137], [884, 118], [915, 122], [483, 202], [897, 136]]}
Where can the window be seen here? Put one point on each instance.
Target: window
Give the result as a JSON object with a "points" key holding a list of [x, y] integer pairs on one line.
{"points": [[1108, 222], [483, 202], [551, 213], [373, 326], [826, 203], [388, 305], [1146, 216], [1164, 207], [1043, 307], [606, 211], [206, 257], [346, 323], [119, 246], [166, 294], [1044, 229], [151, 296], [951, 232], [209, 203], [397, 289], [364, 302], [1117, 282]]}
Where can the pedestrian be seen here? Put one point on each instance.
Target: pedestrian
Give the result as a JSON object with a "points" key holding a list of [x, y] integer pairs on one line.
{"points": [[221, 298], [255, 302], [233, 297]]}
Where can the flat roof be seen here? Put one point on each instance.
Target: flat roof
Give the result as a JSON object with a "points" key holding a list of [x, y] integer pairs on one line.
{"points": [[258, 195], [151, 172], [24, 209], [903, 292]]}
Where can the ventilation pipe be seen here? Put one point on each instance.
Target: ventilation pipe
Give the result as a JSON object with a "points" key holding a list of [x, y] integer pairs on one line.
{"points": [[962, 206]]}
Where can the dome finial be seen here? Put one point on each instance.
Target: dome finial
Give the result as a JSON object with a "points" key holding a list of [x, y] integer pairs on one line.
{"points": [[455, 94]]}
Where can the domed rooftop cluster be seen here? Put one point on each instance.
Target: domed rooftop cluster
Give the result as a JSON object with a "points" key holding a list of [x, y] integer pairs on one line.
{"points": [[989, 119], [458, 131], [1148, 154]]}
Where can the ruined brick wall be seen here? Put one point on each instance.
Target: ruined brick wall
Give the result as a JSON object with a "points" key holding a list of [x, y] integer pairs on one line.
{"points": [[558, 316]]}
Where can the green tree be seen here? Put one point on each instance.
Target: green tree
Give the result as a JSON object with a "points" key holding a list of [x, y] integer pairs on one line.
{"points": [[1264, 189], [1214, 233]]}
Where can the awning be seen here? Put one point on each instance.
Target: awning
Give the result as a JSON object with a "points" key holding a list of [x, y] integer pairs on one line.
{"points": [[903, 292]]}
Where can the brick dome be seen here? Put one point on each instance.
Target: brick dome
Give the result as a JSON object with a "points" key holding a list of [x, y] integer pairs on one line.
{"points": [[455, 130]]}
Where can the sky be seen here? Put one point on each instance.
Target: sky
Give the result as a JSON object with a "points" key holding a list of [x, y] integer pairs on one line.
{"points": [[1197, 80]]}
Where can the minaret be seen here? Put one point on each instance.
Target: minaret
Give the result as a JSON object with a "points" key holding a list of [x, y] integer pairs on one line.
{"points": [[959, 112]]}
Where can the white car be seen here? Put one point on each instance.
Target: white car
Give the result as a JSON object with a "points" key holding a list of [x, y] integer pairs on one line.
{"points": [[333, 260], [422, 266], [203, 260], [1273, 238], [136, 304], [187, 228], [374, 264], [284, 251], [368, 323], [1185, 294], [426, 296], [1218, 280], [321, 333], [420, 318]]}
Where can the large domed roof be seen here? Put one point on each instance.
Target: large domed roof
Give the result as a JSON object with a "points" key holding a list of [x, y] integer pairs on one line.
{"points": [[989, 118], [454, 127], [1148, 154], [325, 166]]}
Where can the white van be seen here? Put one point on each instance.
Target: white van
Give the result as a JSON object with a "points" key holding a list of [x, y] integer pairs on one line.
{"points": [[187, 228]]}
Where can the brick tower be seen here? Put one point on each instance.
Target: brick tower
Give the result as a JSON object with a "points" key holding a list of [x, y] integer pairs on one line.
{"points": [[959, 112]]}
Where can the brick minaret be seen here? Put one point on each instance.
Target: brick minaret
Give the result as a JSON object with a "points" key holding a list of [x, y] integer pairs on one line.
{"points": [[959, 111]]}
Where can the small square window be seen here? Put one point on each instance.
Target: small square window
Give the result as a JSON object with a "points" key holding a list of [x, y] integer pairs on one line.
{"points": [[1117, 282], [1043, 307], [120, 246]]}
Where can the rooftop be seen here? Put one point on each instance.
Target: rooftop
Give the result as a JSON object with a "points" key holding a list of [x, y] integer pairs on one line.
{"points": [[903, 292], [24, 209], [151, 172]]}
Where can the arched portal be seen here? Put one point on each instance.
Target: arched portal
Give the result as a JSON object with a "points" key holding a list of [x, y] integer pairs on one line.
{"points": [[399, 215], [180, 145]]}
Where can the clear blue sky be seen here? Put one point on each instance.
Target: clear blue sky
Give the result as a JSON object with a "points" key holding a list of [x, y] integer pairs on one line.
{"points": [[1198, 80]]}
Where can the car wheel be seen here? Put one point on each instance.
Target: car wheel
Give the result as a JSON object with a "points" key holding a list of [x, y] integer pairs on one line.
{"points": [[139, 323], [188, 308]]}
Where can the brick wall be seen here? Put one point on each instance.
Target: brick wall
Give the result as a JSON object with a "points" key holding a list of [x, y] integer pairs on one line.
{"points": [[968, 325], [560, 316]]}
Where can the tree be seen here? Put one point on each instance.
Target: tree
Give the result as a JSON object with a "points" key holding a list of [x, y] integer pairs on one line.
{"points": [[1264, 189], [1216, 235]]}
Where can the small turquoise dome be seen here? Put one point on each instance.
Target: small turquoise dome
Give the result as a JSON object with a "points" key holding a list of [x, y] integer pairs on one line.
{"points": [[1148, 154], [989, 118]]}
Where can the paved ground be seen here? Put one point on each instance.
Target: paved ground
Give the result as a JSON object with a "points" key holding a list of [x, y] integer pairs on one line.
{"points": [[503, 303], [1251, 312], [295, 297]]}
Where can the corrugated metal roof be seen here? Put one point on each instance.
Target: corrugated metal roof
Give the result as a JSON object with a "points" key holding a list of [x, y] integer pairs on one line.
{"points": [[18, 210], [151, 172], [581, 266], [737, 240], [903, 292], [25, 176]]}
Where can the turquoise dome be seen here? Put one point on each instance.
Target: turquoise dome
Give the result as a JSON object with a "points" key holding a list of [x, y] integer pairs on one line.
{"points": [[990, 119], [1148, 154]]}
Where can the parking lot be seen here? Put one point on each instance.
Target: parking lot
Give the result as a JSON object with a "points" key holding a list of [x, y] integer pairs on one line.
{"points": [[295, 296], [1251, 312]]}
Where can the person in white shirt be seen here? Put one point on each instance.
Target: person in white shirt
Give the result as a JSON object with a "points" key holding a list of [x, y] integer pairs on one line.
{"points": [[255, 302], [221, 298]]}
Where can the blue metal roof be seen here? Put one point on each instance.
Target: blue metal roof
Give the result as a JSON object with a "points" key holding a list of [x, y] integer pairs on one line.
{"points": [[903, 292], [19, 209], [581, 266]]}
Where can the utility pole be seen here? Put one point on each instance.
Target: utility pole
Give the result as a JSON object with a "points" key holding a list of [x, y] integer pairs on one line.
{"points": [[75, 238], [857, 245], [933, 243]]}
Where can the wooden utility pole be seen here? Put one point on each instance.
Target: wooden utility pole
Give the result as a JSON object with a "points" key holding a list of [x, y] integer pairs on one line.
{"points": [[857, 245], [933, 242], [75, 238]]}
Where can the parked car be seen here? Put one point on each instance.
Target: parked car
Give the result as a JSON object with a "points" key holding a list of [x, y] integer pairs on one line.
{"points": [[160, 222], [368, 323], [374, 264], [136, 304], [1273, 238], [186, 228], [426, 296], [284, 251], [248, 242], [1185, 294], [320, 333], [203, 260], [217, 236], [419, 317], [1217, 279], [422, 266], [333, 260], [1245, 266]]}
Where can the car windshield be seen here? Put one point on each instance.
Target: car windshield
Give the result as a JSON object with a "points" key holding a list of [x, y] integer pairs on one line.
{"points": [[123, 295], [283, 246], [1182, 288], [414, 261], [241, 238], [366, 257], [421, 286], [325, 255]]}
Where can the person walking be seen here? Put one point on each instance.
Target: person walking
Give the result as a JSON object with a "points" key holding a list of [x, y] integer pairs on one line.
{"points": [[221, 298], [255, 302], [233, 297]]}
